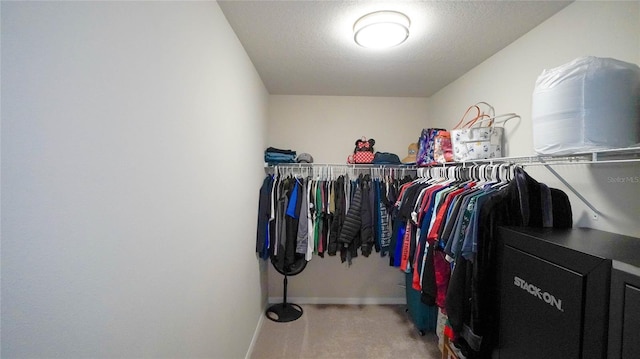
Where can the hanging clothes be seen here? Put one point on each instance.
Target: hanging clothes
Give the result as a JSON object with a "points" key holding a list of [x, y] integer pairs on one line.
{"points": [[444, 233], [523, 202], [440, 228], [304, 217]]}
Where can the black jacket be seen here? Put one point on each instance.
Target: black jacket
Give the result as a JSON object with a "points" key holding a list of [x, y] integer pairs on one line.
{"points": [[367, 240], [338, 217], [357, 229], [349, 236], [264, 214]]}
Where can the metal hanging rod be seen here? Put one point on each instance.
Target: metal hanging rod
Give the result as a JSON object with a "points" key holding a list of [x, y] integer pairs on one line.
{"points": [[523, 161], [543, 161], [580, 162], [618, 155], [340, 165]]}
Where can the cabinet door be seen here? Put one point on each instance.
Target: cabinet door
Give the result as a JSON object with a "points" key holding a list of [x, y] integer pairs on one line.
{"points": [[624, 313], [631, 323], [541, 308]]}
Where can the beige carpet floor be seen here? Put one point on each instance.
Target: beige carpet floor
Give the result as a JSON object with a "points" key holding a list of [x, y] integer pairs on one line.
{"points": [[346, 331]]}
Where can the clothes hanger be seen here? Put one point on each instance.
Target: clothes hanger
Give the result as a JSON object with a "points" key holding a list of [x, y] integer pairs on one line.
{"points": [[477, 173], [425, 175], [491, 175], [503, 175], [484, 170]]}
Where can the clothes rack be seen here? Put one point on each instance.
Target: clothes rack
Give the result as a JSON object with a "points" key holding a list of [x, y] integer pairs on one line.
{"points": [[606, 156], [329, 171], [627, 155]]}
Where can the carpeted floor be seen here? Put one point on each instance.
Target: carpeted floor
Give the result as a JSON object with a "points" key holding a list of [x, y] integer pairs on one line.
{"points": [[346, 331]]}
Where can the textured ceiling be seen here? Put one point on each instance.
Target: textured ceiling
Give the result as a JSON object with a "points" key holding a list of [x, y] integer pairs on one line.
{"points": [[307, 48]]}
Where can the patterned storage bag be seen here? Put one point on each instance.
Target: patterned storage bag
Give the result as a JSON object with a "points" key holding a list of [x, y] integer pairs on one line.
{"points": [[442, 147], [434, 146], [363, 151]]}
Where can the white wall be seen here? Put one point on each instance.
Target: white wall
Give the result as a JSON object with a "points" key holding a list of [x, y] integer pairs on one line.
{"points": [[132, 137], [506, 80], [327, 127]]}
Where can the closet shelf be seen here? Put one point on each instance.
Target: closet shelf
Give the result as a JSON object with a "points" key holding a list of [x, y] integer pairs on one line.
{"points": [[343, 165], [616, 155]]}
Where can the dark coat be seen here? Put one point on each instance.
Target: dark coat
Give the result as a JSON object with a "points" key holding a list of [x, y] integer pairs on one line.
{"points": [[338, 217], [367, 239], [264, 214], [349, 236]]}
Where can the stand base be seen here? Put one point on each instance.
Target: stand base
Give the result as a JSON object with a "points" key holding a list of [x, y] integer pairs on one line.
{"points": [[284, 312]]}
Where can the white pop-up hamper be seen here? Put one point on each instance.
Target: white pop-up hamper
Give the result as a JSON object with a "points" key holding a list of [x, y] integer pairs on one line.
{"points": [[588, 104]]}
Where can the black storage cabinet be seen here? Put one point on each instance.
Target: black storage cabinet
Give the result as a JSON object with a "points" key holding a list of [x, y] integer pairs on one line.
{"points": [[555, 292]]}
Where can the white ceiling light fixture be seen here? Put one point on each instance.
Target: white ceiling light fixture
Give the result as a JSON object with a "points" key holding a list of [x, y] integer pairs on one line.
{"points": [[381, 29]]}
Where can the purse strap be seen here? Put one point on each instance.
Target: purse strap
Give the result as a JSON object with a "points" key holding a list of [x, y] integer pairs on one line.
{"points": [[473, 120], [492, 111], [479, 115], [508, 116]]}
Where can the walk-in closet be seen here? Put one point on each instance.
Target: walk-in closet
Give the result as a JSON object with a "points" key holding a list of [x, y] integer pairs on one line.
{"points": [[141, 216]]}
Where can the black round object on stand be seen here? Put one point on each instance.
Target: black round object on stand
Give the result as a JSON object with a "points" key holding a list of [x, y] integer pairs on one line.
{"points": [[286, 312]]}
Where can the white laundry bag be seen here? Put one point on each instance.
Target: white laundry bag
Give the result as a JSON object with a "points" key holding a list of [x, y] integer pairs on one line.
{"points": [[586, 105]]}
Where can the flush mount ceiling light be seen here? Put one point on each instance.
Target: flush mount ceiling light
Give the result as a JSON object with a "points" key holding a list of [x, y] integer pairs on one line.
{"points": [[381, 29]]}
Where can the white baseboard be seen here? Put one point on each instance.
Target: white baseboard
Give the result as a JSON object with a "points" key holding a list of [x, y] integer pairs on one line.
{"points": [[256, 333], [349, 301]]}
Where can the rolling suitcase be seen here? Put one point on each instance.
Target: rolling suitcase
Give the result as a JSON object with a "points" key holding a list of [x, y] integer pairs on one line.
{"points": [[423, 316]]}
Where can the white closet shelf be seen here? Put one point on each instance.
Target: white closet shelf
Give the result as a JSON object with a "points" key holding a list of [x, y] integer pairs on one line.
{"points": [[616, 155], [345, 165]]}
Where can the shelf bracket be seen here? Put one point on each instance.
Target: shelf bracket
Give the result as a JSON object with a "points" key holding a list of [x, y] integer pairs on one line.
{"points": [[596, 213]]}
